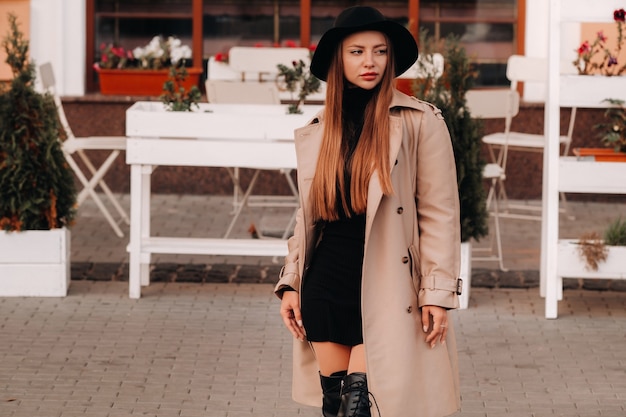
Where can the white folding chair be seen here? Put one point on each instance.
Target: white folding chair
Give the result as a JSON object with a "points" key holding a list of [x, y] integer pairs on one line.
{"points": [[251, 92], [523, 69], [494, 104], [73, 145]]}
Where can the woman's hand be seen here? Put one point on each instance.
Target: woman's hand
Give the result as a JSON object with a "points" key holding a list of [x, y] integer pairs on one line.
{"points": [[439, 322], [290, 312]]}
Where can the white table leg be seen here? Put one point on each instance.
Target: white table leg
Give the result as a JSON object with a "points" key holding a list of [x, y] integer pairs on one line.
{"points": [[136, 221], [146, 172]]}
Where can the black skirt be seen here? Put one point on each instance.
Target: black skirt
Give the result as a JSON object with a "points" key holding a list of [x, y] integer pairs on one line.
{"points": [[331, 292]]}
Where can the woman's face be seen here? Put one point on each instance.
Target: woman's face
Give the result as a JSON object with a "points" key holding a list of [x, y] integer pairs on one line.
{"points": [[364, 57]]}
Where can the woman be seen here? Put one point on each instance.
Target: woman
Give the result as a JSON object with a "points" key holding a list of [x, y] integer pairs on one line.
{"points": [[377, 235]]}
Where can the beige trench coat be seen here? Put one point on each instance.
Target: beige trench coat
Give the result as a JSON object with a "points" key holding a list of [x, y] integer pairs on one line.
{"points": [[411, 260]]}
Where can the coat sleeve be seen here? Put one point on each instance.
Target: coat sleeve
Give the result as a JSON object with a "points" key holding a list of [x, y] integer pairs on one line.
{"points": [[289, 277], [437, 201]]}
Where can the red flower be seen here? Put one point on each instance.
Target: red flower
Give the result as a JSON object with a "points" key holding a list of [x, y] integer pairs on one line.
{"points": [[619, 15], [119, 52], [290, 44], [312, 47], [601, 36], [221, 57], [258, 45], [584, 48]]}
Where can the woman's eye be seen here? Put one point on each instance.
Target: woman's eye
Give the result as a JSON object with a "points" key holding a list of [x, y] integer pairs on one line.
{"points": [[381, 52], [356, 52]]}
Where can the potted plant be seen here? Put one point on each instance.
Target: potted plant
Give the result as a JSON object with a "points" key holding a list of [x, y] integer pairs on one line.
{"points": [[175, 96], [596, 57], [143, 70], [613, 135], [37, 190], [595, 256], [447, 92], [600, 74], [297, 78]]}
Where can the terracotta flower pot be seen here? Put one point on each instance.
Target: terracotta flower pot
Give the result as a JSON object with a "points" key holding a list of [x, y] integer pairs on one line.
{"points": [[600, 154], [134, 82]]}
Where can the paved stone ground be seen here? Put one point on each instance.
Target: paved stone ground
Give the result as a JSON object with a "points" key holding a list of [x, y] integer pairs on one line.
{"points": [[205, 339], [220, 350]]}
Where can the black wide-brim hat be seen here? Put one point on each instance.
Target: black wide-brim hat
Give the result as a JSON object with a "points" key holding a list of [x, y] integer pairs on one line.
{"points": [[359, 19]]}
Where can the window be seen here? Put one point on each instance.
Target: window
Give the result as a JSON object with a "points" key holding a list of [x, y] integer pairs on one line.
{"points": [[488, 29]]}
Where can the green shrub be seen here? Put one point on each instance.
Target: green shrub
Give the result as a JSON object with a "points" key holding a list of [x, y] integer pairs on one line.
{"points": [[37, 190], [615, 233]]}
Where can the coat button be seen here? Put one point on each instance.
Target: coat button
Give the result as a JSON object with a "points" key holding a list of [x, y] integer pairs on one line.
{"points": [[400, 210], [396, 163], [405, 259], [409, 309]]}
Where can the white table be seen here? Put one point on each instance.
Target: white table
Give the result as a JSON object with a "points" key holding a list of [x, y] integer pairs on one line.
{"points": [[217, 135]]}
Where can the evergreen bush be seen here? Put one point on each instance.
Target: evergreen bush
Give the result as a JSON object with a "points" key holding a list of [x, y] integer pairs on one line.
{"points": [[37, 190]]}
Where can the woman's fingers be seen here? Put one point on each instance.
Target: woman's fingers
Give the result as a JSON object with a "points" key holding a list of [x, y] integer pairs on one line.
{"points": [[439, 330], [292, 317]]}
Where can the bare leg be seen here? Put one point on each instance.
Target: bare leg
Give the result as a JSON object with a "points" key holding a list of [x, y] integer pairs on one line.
{"points": [[331, 357], [357, 359], [333, 361]]}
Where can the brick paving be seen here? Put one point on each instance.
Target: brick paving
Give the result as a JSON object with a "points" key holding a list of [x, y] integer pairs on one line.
{"points": [[205, 339]]}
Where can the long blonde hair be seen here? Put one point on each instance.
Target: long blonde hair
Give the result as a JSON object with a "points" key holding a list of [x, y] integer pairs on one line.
{"points": [[371, 153]]}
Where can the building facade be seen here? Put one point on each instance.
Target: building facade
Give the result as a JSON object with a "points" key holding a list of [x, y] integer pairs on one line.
{"points": [[69, 32]]}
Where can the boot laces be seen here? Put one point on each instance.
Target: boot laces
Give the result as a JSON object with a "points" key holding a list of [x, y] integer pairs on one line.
{"points": [[362, 396]]}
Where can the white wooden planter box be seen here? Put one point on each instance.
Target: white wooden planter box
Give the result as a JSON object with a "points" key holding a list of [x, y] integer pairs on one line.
{"points": [[586, 176], [466, 274], [35, 263], [572, 265], [150, 119], [596, 88]]}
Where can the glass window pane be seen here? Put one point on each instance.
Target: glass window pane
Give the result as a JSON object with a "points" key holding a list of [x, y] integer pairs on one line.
{"points": [[486, 28], [132, 23]]}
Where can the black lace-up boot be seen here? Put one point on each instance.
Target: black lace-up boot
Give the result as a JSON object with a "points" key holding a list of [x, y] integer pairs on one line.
{"points": [[331, 387], [354, 396]]}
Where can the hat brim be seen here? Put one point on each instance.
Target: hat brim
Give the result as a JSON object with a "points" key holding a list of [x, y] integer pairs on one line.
{"points": [[403, 43]]}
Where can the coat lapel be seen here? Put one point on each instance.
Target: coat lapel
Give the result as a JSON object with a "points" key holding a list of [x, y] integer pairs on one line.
{"points": [[374, 191]]}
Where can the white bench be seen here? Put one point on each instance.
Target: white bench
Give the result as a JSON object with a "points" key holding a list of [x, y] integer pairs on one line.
{"points": [[264, 61]]}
